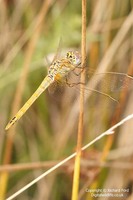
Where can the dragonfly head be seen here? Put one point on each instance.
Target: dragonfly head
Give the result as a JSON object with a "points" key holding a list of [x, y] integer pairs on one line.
{"points": [[74, 57]]}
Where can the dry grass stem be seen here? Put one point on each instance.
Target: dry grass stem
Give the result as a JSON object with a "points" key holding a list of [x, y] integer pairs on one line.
{"points": [[76, 176], [19, 92]]}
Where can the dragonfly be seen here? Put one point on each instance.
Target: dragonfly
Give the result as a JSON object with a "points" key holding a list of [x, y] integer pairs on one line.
{"points": [[61, 68]]}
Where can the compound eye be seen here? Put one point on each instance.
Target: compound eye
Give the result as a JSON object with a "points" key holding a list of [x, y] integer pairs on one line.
{"points": [[68, 54]]}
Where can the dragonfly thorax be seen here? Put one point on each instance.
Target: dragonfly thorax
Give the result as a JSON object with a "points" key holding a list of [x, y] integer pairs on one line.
{"points": [[61, 68], [53, 69]]}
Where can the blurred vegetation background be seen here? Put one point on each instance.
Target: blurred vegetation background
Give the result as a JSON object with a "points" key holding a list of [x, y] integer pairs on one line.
{"points": [[30, 32]]}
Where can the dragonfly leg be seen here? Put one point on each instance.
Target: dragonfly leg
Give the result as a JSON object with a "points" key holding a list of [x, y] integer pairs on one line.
{"points": [[77, 74], [72, 84]]}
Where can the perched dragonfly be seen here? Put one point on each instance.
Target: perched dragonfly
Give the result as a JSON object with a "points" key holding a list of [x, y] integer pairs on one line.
{"points": [[61, 68], [57, 70]]}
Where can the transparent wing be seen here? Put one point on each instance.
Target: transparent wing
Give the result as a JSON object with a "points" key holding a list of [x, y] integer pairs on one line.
{"points": [[58, 51], [109, 84], [50, 59], [56, 87], [52, 88]]}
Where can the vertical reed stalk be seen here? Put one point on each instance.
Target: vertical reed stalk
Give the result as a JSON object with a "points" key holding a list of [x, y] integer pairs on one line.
{"points": [[81, 114]]}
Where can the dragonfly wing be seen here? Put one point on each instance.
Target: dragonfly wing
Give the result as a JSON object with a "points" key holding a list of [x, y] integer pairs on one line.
{"points": [[111, 82], [56, 88], [108, 84], [52, 88], [58, 52]]}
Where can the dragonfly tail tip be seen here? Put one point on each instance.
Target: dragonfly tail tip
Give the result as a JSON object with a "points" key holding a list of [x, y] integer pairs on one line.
{"points": [[7, 127]]}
